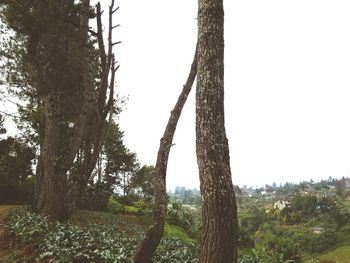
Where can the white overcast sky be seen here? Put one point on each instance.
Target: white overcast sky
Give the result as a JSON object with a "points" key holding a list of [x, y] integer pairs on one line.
{"points": [[287, 82]]}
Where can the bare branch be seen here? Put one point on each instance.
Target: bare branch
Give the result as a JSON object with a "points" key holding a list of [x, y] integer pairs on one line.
{"points": [[154, 233], [116, 43], [100, 40], [111, 89], [107, 67], [115, 10], [112, 5], [116, 68]]}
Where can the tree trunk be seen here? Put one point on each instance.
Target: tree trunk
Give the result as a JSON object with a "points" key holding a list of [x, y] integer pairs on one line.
{"points": [[219, 211], [154, 233], [59, 190], [51, 188]]}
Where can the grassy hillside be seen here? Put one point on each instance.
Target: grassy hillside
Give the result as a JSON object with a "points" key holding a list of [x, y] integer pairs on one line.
{"points": [[339, 255]]}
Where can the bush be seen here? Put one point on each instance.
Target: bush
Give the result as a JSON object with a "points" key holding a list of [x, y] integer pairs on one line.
{"points": [[92, 243], [114, 206], [95, 197]]}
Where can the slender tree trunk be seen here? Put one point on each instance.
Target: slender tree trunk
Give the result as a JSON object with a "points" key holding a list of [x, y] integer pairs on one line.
{"points": [[219, 211], [154, 233]]}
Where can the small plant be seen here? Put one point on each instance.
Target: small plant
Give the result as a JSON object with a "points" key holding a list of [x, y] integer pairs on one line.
{"points": [[109, 241]]}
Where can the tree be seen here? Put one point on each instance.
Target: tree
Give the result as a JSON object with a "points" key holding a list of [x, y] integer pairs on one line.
{"points": [[71, 84], [120, 163], [340, 187], [117, 168], [16, 173], [142, 182], [154, 233], [219, 210]]}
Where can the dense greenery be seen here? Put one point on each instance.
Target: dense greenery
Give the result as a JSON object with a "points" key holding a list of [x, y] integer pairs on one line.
{"points": [[310, 224], [16, 175], [112, 240], [287, 223]]}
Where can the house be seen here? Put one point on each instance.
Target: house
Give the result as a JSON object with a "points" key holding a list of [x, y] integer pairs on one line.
{"points": [[317, 230], [281, 204]]}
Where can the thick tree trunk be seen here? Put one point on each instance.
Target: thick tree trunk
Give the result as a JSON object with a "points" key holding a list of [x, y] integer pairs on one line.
{"points": [[154, 233], [51, 188], [59, 193], [58, 152], [219, 211]]}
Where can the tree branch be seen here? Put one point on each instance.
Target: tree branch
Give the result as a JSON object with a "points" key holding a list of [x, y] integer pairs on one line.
{"points": [[154, 233]]}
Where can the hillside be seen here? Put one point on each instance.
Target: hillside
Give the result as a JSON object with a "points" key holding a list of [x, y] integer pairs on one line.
{"points": [[87, 237]]}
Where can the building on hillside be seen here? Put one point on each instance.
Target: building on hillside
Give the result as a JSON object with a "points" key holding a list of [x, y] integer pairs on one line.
{"points": [[281, 204], [317, 230]]}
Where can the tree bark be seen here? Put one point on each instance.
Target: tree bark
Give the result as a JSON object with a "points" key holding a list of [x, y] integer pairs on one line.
{"points": [[154, 233], [59, 188], [219, 211], [52, 185]]}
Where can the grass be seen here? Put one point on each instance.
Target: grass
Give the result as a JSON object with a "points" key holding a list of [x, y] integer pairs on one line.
{"points": [[178, 232], [132, 209], [115, 207], [347, 204], [340, 255], [84, 217]]}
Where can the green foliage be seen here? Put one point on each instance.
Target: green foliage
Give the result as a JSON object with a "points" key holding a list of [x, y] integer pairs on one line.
{"points": [[176, 231], [341, 255], [16, 181], [319, 242], [114, 206], [180, 216], [106, 242], [121, 164], [95, 197], [142, 182], [133, 210], [30, 227], [173, 250], [263, 255], [305, 205], [186, 196]]}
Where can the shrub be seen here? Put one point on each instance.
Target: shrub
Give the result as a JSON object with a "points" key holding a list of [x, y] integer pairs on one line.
{"points": [[95, 197], [105, 243], [114, 206]]}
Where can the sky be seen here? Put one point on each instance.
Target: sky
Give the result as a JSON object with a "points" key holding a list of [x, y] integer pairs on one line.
{"points": [[287, 86]]}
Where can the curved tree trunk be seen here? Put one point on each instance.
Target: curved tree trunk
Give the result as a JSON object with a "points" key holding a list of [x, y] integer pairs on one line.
{"points": [[219, 211], [154, 233]]}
